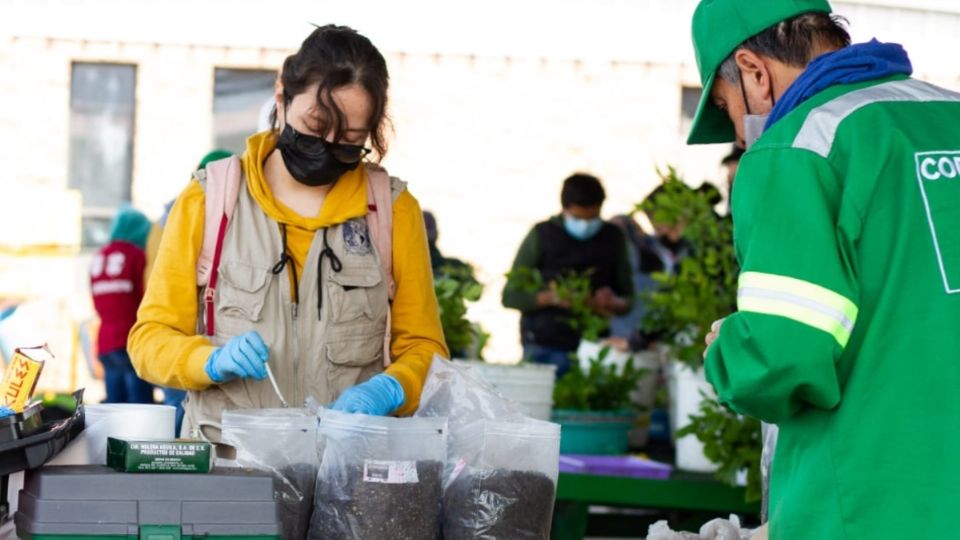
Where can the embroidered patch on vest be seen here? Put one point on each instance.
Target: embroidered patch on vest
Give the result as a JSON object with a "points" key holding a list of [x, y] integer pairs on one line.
{"points": [[356, 237]]}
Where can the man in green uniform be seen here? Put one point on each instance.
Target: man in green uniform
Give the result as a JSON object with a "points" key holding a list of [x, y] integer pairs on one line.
{"points": [[847, 228]]}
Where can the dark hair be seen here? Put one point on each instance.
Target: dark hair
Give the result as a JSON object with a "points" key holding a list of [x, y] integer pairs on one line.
{"points": [[582, 190], [734, 156], [338, 56], [794, 42], [430, 223]]}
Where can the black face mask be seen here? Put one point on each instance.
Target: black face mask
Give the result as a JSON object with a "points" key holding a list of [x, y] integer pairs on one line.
{"points": [[313, 161]]}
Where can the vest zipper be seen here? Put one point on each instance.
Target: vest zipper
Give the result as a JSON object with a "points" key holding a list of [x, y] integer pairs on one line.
{"points": [[286, 262], [296, 359]]}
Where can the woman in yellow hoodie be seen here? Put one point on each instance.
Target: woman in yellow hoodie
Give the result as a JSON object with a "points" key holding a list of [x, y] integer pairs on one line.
{"points": [[300, 285]]}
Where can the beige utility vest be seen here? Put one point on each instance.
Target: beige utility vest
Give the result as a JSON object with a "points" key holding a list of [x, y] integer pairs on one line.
{"points": [[317, 353]]}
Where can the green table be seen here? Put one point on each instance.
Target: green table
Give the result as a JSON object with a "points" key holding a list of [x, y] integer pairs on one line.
{"points": [[683, 491]]}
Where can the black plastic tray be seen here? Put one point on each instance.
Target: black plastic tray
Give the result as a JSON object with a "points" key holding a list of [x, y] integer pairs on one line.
{"points": [[21, 425], [57, 428]]}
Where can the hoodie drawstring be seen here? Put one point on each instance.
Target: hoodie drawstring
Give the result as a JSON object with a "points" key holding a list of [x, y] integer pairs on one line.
{"points": [[285, 259], [335, 265]]}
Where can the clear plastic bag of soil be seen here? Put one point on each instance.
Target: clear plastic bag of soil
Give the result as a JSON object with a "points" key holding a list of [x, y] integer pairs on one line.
{"points": [[282, 442], [460, 395], [380, 478], [503, 482]]}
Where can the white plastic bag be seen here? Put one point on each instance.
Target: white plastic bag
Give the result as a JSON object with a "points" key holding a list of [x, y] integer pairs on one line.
{"points": [[503, 483], [282, 442], [717, 529], [380, 478], [769, 433]]}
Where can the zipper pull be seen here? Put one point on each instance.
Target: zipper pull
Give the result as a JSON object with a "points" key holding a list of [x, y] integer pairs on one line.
{"points": [[295, 309], [208, 299]]}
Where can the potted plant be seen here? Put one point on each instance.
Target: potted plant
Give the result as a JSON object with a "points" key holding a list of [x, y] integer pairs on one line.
{"points": [[575, 289], [682, 309], [593, 406], [732, 442]]}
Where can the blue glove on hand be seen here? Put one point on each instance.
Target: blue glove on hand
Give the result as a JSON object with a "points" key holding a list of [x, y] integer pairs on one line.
{"points": [[6, 411], [379, 396], [244, 356]]}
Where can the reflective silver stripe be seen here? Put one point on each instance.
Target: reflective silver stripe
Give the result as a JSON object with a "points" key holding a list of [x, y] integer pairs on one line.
{"points": [[820, 128], [839, 316]]}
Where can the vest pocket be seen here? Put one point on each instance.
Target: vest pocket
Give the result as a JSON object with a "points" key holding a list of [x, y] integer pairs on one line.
{"points": [[350, 296], [243, 290], [355, 352], [353, 361]]}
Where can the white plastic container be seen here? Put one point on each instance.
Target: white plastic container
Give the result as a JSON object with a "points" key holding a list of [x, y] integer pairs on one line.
{"points": [[530, 385], [685, 388], [121, 420]]}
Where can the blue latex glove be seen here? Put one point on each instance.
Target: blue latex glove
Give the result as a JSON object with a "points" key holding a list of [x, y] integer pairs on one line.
{"points": [[6, 411], [244, 356], [379, 396]]}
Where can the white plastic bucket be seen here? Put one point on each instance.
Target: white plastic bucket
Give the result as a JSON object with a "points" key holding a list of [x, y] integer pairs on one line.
{"points": [[530, 385], [685, 396], [122, 420]]}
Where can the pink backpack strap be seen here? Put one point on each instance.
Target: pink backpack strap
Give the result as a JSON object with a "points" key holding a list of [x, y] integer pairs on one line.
{"points": [[380, 220], [221, 181], [380, 196]]}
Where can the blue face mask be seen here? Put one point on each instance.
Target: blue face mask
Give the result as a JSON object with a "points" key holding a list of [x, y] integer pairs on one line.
{"points": [[582, 229]]}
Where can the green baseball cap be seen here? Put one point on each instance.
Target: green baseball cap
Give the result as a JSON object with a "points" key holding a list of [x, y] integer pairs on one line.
{"points": [[719, 27]]}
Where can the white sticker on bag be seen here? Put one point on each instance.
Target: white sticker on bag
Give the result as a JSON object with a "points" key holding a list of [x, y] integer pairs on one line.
{"points": [[390, 472]]}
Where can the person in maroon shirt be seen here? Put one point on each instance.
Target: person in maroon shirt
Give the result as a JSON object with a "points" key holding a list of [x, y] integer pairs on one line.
{"points": [[117, 284]]}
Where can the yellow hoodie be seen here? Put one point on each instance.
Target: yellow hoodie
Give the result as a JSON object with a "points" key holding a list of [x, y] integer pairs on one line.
{"points": [[164, 346]]}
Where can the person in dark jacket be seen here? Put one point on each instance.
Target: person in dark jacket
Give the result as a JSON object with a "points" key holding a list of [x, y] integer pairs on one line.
{"points": [[577, 241]]}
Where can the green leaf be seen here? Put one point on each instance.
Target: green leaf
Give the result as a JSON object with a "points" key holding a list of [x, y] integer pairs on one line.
{"points": [[733, 442], [599, 387], [704, 288], [454, 287]]}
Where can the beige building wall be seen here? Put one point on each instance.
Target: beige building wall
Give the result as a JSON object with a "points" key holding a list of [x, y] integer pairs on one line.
{"points": [[493, 103]]}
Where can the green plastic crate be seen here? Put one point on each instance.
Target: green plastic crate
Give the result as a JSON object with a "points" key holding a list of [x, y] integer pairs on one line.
{"points": [[147, 532]]}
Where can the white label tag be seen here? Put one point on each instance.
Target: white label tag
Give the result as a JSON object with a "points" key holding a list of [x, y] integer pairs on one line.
{"points": [[390, 472]]}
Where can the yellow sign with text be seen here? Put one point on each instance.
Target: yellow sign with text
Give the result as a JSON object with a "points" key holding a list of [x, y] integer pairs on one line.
{"points": [[20, 379]]}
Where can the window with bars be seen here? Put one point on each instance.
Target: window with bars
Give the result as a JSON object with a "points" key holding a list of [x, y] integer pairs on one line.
{"points": [[242, 100], [102, 120]]}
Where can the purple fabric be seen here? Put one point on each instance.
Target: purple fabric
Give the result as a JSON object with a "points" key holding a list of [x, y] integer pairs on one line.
{"points": [[629, 466]]}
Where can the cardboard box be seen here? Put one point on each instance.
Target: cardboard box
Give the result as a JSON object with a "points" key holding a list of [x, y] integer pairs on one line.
{"points": [[158, 456]]}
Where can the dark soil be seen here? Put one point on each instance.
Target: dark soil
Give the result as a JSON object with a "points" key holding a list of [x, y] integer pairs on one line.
{"points": [[295, 494], [498, 505], [348, 508]]}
